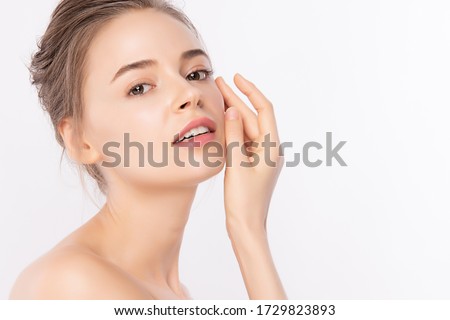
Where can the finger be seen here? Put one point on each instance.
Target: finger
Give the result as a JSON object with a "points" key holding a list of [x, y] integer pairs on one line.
{"points": [[266, 115], [234, 135], [232, 100]]}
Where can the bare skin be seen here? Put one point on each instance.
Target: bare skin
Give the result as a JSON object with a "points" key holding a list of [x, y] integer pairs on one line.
{"points": [[130, 248]]}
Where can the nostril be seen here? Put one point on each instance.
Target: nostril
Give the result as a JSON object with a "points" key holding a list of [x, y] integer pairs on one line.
{"points": [[184, 105]]}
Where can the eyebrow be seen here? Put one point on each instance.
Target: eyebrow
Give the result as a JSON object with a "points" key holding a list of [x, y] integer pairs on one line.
{"points": [[142, 64]]}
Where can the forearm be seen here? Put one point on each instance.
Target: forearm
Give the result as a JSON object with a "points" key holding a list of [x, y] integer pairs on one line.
{"points": [[258, 270], [248, 189]]}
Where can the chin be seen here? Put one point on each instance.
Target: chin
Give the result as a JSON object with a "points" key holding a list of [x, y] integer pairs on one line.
{"points": [[171, 176], [188, 167], [197, 166], [190, 175]]}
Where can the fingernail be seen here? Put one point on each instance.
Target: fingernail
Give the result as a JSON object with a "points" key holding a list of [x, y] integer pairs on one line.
{"points": [[232, 114]]}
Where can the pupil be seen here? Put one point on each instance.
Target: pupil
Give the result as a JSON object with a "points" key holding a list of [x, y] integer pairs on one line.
{"points": [[194, 76], [137, 90]]}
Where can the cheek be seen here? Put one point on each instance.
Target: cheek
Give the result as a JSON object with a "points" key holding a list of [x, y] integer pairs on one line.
{"points": [[105, 124], [216, 95], [214, 99], [218, 108], [146, 122]]}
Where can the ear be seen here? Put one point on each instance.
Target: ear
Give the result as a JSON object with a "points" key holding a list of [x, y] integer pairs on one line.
{"points": [[78, 148]]}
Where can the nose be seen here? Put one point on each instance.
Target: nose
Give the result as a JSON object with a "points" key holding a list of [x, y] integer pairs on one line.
{"points": [[187, 95]]}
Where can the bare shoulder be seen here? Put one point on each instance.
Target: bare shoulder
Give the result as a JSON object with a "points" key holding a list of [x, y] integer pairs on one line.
{"points": [[72, 272]]}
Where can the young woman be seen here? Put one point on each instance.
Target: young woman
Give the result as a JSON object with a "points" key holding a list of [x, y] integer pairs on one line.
{"points": [[114, 76]]}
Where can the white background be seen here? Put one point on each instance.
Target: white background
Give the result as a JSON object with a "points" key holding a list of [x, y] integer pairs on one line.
{"points": [[375, 73]]}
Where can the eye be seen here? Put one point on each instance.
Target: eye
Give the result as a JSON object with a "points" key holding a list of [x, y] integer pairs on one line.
{"points": [[140, 89], [199, 75]]}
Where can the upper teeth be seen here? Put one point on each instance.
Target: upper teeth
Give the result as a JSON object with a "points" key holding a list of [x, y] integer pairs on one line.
{"points": [[194, 132]]}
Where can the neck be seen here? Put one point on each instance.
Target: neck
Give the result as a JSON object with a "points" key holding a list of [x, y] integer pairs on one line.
{"points": [[142, 231]]}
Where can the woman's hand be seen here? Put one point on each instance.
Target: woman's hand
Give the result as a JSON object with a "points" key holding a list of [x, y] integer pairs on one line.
{"points": [[250, 177], [252, 170]]}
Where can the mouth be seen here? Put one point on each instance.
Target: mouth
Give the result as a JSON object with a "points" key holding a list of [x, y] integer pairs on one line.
{"points": [[195, 128]]}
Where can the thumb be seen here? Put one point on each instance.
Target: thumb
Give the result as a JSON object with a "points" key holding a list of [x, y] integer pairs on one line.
{"points": [[234, 134]]}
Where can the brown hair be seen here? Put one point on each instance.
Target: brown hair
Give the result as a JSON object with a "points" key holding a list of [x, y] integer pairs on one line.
{"points": [[57, 68]]}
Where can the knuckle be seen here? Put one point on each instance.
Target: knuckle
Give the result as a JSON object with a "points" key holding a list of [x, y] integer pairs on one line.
{"points": [[249, 93], [269, 104]]}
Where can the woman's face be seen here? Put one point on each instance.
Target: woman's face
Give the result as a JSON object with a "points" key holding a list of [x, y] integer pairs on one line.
{"points": [[150, 101]]}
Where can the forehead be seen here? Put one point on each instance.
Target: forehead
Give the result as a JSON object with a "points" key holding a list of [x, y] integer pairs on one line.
{"points": [[138, 35]]}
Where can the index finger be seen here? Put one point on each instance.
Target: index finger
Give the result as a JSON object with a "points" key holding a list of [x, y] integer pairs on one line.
{"points": [[266, 115]]}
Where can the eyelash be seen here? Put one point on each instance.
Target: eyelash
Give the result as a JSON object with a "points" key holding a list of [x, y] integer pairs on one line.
{"points": [[208, 74]]}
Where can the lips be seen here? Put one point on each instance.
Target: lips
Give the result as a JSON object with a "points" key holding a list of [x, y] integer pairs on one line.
{"points": [[203, 121]]}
